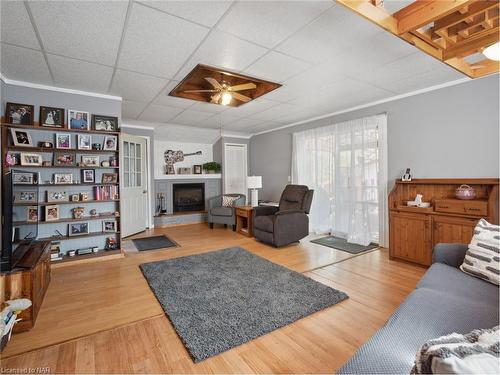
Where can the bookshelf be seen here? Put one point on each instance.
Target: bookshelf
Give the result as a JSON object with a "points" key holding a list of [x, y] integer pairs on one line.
{"points": [[104, 207]]}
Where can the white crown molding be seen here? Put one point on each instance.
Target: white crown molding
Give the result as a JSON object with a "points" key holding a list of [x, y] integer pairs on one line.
{"points": [[371, 104], [230, 134], [134, 126], [58, 89]]}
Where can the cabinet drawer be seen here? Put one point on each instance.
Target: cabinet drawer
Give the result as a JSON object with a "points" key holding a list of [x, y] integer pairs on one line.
{"points": [[243, 213], [472, 207]]}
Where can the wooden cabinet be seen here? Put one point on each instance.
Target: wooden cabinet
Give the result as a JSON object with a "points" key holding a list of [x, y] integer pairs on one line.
{"points": [[414, 231]]}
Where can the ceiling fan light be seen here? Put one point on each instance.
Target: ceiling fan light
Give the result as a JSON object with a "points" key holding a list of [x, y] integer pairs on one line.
{"points": [[493, 52], [226, 98]]}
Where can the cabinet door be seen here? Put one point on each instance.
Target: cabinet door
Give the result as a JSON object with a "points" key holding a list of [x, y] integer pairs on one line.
{"points": [[410, 237], [453, 230]]}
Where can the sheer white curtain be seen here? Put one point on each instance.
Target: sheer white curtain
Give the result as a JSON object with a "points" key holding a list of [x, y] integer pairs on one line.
{"points": [[346, 165]]}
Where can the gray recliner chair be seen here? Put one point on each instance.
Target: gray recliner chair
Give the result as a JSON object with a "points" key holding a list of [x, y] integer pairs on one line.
{"points": [[219, 214], [288, 223]]}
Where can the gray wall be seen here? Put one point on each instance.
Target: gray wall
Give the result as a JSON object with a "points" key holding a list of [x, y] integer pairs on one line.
{"points": [[446, 133]]}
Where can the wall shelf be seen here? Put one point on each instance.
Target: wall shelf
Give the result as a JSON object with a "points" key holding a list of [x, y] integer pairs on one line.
{"points": [[57, 130], [87, 258], [62, 166], [69, 220], [65, 238], [65, 202], [59, 150], [189, 176]]}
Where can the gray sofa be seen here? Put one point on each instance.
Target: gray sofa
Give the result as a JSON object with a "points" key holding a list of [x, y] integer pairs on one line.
{"points": [[218, 214], [445, 300]]}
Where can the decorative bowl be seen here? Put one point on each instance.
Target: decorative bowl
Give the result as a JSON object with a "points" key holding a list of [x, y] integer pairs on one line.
{"points": [[465, 192]]}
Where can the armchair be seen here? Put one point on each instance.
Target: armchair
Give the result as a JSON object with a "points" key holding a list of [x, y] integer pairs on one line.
{"points": [[288, 223], [219, 214]]}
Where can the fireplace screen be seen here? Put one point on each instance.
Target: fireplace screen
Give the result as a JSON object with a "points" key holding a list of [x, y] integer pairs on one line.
{"points": [[189, 197]]}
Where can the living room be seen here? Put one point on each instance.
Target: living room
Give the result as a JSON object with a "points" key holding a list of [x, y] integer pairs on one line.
{"points": [[250, 187]]}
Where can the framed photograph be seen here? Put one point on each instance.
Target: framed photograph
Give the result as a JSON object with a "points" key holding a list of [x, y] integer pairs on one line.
{"points": [[78, 212], [78, 229], [19, 114], [63, 140], [57, 196], [197, 169], [90, 160], [75, 198], [109, 226], [21, 137], [84, 142], [52, 212], [84, 197], [52, 117], [109, 178], [63, 178], [105, 123], [32, 214], [109, 143], [169, 169], [65, 159], [31, 159], [25, 196], [184, 170], [22, 178], [88, 176], [78, 120]]}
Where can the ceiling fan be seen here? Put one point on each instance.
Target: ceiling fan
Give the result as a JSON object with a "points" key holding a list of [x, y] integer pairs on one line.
{"points": [[223, 93]]}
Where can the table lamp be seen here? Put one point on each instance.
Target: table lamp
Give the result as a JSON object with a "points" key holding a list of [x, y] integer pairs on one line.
{"points": [[254, 183]]}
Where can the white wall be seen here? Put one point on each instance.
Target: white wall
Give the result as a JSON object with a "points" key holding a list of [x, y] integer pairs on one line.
{"points": [[161, 146]]}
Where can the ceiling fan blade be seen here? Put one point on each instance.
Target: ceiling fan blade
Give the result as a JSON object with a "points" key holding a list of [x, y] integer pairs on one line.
{"points": [[240, 97], [213, 82], [215, 98], [244, 86], [200, 90]]}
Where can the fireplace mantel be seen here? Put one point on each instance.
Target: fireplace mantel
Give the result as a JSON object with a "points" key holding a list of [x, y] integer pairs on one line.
{"points": [[190, 176]]}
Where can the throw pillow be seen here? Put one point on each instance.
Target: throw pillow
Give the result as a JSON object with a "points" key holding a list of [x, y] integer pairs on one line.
{"points": [[477, 352], [228, 201], [483, 256]]}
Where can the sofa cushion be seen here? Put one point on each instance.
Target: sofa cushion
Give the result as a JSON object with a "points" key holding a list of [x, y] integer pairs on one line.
{"points": [[221, 211], [264, 223]]}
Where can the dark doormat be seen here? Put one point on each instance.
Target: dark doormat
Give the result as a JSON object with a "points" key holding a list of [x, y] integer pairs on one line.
{"points": [[222, 299], [153, 243], [342, 244]]}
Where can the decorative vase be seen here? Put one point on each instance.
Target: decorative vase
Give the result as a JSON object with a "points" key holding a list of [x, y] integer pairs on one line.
{"points": [[465, 192]]}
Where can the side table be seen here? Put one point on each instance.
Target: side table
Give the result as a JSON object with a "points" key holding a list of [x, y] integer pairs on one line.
{"points": [[244, 220]]}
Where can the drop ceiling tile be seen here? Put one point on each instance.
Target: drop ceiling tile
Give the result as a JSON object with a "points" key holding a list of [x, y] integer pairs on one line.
{"points": [[243, 124], [32, 69], [269, 22], [265, 125], [255, 106], [136, 86], [221, 119], [172, 101], [208, 107], [277, 67], [80, 75], [85, 30], [192, 118], [131, 109], [425, 80], [224, 51], [206, 13], [159, 113], [392, 6], [16, 25], [276, 113], [156, 43]]}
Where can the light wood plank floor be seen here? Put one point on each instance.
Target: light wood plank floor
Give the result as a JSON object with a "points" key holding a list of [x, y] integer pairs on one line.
{"points": [[103, 318]]}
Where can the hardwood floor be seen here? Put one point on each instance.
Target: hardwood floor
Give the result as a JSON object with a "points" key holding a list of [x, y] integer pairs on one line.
{"points": [[103, 317]]}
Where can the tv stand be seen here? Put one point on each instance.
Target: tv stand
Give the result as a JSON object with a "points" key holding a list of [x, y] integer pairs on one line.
{"points": [[29, 279]]}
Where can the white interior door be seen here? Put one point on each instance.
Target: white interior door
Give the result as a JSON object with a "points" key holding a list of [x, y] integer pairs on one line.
{"points": [[134, 185], [235, 168]]}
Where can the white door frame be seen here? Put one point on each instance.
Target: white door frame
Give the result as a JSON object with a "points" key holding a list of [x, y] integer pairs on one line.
{"points": [[246, 164]]}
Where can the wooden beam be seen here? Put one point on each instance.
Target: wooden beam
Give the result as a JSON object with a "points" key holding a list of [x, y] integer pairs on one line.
{"points": [[474, 9], [423, 12], [485, 67], [469, 47]]}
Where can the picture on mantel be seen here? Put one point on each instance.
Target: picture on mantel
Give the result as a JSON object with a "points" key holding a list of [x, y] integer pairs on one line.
{"points": [[172, 157]]}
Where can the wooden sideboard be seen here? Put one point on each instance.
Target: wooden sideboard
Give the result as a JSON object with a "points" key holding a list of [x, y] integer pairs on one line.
{"points": [[414, 231], [30, 279]]}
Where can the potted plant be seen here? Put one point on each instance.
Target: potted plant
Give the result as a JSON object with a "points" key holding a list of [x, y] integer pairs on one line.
{"points": [[212, 167]]}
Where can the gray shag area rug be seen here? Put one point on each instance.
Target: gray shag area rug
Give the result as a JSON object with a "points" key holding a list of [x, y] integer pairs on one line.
{"points": [[342, 244], [222, 299], [154, 243]]}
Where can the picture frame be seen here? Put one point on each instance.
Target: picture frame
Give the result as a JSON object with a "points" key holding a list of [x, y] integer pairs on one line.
{"points": [[84, 142], [19, 114], [21, 137], [88, 176], [78, 229], [23, 178], [90, 160], [109, 143], [31, 159], [84, 197], [169, 169], [57, 196], [184, 170], [51, 117], [63, 141], [78, 120], [25, 196], [75, 197], [104, 123], [63, 178], [197, 169], [52, 212], [32, 214], [109, 178], [78, 212], [64, 159], [109, 226]]}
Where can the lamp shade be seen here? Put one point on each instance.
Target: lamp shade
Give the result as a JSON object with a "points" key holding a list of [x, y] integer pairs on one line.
{"points": [[254, 182]]}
